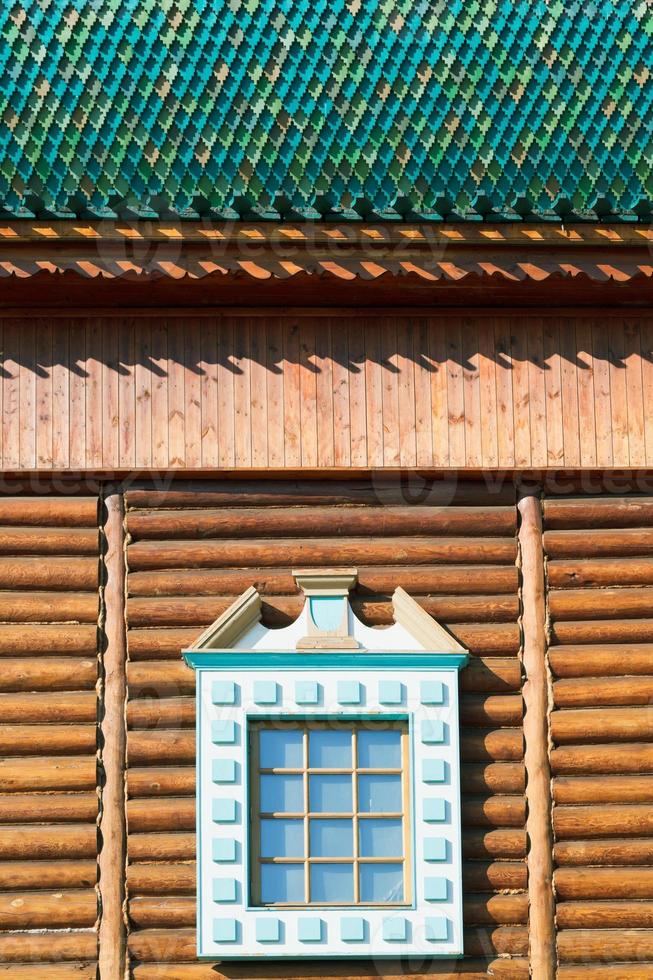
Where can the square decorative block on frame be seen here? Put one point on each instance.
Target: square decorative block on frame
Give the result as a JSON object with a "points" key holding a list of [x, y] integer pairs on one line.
{"points": [[328, 800]]}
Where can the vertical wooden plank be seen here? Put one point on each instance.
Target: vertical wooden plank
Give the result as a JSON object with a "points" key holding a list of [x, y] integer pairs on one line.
{"points": [[407, 407], [634, 392], [77, 392], [455, 393], [646, 330], [143, 377], [423, 368], [193, 393], [60, 396], [324, 393], [555, 444], [585, 375], [176, 394], [27, 397], [439, 392], [618, 394], [291, 394], [602, 395], [126, 392], [520, 392], [242, 396], [341, 393], [356, 333], [209, 392], [488, 393], [258, 389], [537, 385], [308, 393], [159, 370], [569, 390], [11, 395], [110, 394], [226, 410], [44, 395], [94, 403], [274, 373], [374, 393], [471, 393], [390, 392], [505, 416]]}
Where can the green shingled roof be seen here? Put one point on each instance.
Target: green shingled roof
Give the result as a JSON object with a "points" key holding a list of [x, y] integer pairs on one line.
{"points": [[271, 106]]}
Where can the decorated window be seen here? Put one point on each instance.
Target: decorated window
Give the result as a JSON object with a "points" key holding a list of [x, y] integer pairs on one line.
{"points": [[328, 781]]}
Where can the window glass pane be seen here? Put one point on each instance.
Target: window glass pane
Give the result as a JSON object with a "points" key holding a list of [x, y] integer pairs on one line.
{"points": [[380, 838], [330, 794], [329, 750], [282, 883], [282, 794], [281, 749], [332, 883], [381, 883], [379, 749], [282, 838], [379, 794], [332, 838]]}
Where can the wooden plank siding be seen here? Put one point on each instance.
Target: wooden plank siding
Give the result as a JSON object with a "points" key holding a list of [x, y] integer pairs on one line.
{"points": [[326, 391]]}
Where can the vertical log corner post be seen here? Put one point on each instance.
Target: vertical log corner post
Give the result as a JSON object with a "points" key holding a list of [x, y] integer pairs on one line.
{"points": [[112, 855], [536, 738]]}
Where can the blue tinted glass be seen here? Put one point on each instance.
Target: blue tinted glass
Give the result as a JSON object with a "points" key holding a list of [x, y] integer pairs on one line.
{"points": [[332, 883], [282, 838], [379, 794], [282, 883], [332, 838], [281, 749], [329, 750], [379, 749], [380, 838], [330, 794], [282, 794], [381, 883]]}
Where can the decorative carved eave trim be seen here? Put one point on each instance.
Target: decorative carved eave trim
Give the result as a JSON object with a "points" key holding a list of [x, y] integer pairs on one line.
{"points": [[409, 614], [241, 615]]}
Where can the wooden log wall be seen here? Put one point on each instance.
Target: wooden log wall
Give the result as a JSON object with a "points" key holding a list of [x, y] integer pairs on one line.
{"points": [[600, 597], [326, 390], [49, 608], [191, 552]]}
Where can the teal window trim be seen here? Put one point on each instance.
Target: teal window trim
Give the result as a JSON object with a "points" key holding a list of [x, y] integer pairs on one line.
{"points": [[291, 660]]}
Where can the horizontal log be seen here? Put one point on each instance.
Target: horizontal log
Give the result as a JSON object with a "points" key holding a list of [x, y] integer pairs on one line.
{"points": [[505, 744], [611, 758], [608, 789], [49, 971], [514, 968], [603, 883], [22, 674], [25, 947], [613, 971], [598, 512], [49, 541], [372, 580], [481, 876], [588, 945], [161, 781], [161, 847], [598, 692], [603, 820], [42, 511], [60, 739], [601, 660], [603, 631], [601, 724], [485, 674], [604, 603], [52, 607], [619, 852], [228, 552], [56, 574], [22, 875], [166, 814], [598, 544], [41, 807], [604, 915], [479, 910], [502, 843], [70, 909], [162, 879], [281, 610], [492, 777], [401, 489], [41, 640], [599, 572], [48, 842], [43, 773], [497, 709], [322, 521], [78, 706], [494, 811]]}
